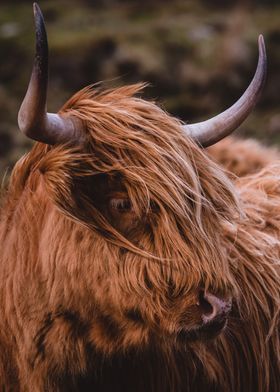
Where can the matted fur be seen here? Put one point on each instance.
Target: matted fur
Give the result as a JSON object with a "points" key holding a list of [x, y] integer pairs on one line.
{"points": [[243, 157], [90, 302]]}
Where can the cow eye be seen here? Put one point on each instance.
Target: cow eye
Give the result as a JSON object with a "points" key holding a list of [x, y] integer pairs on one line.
{"points": [[121, 205]]}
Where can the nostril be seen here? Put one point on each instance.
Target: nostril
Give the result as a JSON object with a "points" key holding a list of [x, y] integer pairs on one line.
{"points": [[205, 306], [213, 307]]}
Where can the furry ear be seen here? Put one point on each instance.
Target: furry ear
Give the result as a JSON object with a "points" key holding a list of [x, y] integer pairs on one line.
{"points": [[64, 170], [59, 167]]}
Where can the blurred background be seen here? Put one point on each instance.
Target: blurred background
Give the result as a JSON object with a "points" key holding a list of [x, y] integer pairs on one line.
{"points": [[197, 55]]}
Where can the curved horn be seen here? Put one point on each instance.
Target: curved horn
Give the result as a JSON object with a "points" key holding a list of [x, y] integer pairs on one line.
{"points": [[209, 132], [33, 119]]}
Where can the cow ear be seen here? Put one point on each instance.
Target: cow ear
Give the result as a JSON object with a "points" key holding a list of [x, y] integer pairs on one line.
{"points": [[65, 173]]}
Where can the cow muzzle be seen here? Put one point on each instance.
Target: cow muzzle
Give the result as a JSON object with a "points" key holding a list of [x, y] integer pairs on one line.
{"points": [[214, 311]]}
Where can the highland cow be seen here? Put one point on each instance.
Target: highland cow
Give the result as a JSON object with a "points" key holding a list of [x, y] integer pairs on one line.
{"points": [[130, 261]]}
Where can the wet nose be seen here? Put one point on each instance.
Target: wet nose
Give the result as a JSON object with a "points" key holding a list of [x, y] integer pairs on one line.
{"points": [[213, 307]]}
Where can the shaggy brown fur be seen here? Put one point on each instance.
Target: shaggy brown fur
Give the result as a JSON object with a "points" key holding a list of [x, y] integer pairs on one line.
{"points": [[243, 157], [97, 299]]}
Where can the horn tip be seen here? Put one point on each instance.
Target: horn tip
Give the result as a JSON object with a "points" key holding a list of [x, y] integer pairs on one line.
{"points": [[36, 8], [37, 13], [261, 43], [41, 35]]}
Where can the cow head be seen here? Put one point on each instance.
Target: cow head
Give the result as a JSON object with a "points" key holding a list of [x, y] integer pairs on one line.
{"points": [[140, 222]]}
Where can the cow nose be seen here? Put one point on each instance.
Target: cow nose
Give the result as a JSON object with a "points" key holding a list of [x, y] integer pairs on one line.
{"points": [[213, 308]]}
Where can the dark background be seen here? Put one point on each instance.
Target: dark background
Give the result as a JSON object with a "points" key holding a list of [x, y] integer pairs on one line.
{"points": [[198, 57]]}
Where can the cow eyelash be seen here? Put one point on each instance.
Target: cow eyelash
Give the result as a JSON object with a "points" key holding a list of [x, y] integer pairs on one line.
{"points": [[121, 205]]}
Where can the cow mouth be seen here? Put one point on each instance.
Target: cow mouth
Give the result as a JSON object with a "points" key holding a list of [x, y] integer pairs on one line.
{"points": [[205, 332]]}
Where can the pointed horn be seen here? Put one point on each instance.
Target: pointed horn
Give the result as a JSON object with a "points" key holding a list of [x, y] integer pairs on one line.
{"points": [[33, 119], [211, 131]]}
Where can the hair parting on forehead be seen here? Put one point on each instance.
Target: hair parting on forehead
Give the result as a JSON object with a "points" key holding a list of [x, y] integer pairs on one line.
{"points": [[142, 144]]}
